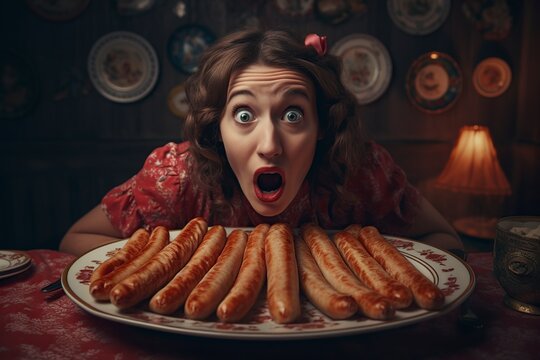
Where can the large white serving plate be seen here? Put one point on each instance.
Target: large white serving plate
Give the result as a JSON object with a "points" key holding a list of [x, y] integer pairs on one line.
{"points": [[454, 277]]}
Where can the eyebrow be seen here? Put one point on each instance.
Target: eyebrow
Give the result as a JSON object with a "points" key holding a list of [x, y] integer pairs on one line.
{"points": [[238, 93], [293, 91]]}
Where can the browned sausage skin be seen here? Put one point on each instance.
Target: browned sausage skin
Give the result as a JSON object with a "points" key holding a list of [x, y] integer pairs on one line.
{"points": [[370, 272], [174, 294], [206, 296], [249, 281], [283, 290], [426, 294], [334, 269], [100, 289], [131, 248], [161, 268], [317, 289]]}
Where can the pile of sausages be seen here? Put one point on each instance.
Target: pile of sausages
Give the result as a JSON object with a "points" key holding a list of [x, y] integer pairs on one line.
{"points": [[206, 271]]}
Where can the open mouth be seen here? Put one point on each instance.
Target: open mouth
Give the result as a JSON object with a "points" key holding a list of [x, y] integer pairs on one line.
{"points": [[269, 184]]}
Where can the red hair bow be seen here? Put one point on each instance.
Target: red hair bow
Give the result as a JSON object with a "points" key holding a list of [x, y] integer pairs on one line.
{"points": [[318, 42]]}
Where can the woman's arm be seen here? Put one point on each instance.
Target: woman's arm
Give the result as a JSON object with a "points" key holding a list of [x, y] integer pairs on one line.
{"points": [[90, 231], [432, 228]]}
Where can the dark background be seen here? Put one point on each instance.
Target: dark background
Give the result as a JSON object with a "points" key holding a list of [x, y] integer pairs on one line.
{"points": [[59, 159]]}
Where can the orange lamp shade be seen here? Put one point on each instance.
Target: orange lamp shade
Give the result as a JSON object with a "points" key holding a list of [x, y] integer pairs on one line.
{"points": [[473, 166]]}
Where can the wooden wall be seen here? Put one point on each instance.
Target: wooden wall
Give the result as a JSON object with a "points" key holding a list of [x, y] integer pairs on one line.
{"points": [[60, 159]]}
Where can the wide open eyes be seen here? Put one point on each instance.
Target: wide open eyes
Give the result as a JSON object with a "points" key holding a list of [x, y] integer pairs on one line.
{"points": [[243, 115], [293, 115]]}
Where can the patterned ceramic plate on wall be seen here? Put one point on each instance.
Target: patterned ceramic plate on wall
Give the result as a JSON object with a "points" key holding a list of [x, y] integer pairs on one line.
{"points": [[367, 67], [123, 66], [434, 82], [186, 46], [58, 10], [19, 85], [492, 77], [294, 8], [454, 277], [418, 17], [177, 101]]}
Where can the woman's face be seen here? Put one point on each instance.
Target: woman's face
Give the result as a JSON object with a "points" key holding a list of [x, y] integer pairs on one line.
{"points": [[269, 130]]}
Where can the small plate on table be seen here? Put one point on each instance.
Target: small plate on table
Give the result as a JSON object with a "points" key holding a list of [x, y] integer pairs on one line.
{"points": [[367, 66], [434, 82], [13, 262], [454, 277], [492, 77], [418, 17], [123, 66]]}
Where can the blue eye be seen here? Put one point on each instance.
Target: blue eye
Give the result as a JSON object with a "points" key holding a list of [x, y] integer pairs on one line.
{"points": [[293, 115], [243, 116]]}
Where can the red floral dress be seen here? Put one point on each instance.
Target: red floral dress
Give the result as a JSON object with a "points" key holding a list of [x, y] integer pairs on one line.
{"points": [[162, 193]]}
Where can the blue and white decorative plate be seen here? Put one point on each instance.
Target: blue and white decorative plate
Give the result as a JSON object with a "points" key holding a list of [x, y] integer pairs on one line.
{"points": [[186, 46]]}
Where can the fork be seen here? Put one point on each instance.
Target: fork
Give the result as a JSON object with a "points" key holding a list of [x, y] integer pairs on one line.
{"points": [[56, 285]]}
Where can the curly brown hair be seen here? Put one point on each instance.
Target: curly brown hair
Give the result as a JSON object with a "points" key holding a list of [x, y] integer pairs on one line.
{"points": [[342, 145]]}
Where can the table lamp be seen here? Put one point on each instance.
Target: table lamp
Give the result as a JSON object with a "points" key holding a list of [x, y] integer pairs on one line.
{"points": [[473, 169]]}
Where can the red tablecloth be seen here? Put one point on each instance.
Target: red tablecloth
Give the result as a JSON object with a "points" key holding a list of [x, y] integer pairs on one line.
{"points": [[34, 325]]}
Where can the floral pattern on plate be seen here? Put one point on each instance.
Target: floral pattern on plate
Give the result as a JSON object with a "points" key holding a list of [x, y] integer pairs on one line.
{"points": [[13, 262]]}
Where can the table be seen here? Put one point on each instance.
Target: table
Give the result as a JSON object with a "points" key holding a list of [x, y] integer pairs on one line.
{"points": [[34, 325]]}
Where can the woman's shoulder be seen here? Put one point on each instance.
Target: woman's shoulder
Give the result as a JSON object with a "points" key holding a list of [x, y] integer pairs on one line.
{"points": [[170, 154]]}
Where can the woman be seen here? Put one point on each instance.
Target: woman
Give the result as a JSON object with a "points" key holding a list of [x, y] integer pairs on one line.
{"points": [[272, 136]]}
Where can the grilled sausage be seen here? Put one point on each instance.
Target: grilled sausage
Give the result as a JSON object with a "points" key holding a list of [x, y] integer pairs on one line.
{"points": [[206, 296], [283, 291], [334, 269], [131, 249], [100, 289], [161, 268], [174, 294], [370, 272], [249, 281], [426, 294], [317, 289]]}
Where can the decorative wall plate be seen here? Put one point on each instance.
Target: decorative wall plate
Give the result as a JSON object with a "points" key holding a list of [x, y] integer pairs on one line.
{"points": [[177, 101], [133, 7], [186, 46], [418, 17], [123, 66], [295, 8], [434, 82], [19, 86], [367, 66], [333, 11], [493, 19], [58, 10], [492, 77]]}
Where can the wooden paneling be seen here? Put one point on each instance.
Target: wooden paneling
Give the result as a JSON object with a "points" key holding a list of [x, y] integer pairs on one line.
{"points": [[60, 160]]}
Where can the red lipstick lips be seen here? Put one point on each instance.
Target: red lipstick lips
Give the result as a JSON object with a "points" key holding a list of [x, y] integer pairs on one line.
{"points": [[268, 183]]}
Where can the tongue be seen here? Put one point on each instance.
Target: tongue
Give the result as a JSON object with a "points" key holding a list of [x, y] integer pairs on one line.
{"points": [[269, 182]]}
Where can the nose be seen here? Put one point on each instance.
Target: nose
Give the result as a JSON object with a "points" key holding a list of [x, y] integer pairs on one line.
{"points": [[269, 145]]}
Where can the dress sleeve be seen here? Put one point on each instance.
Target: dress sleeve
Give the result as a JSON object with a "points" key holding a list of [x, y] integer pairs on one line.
{"points": [[386, 199], [149, 198]]}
